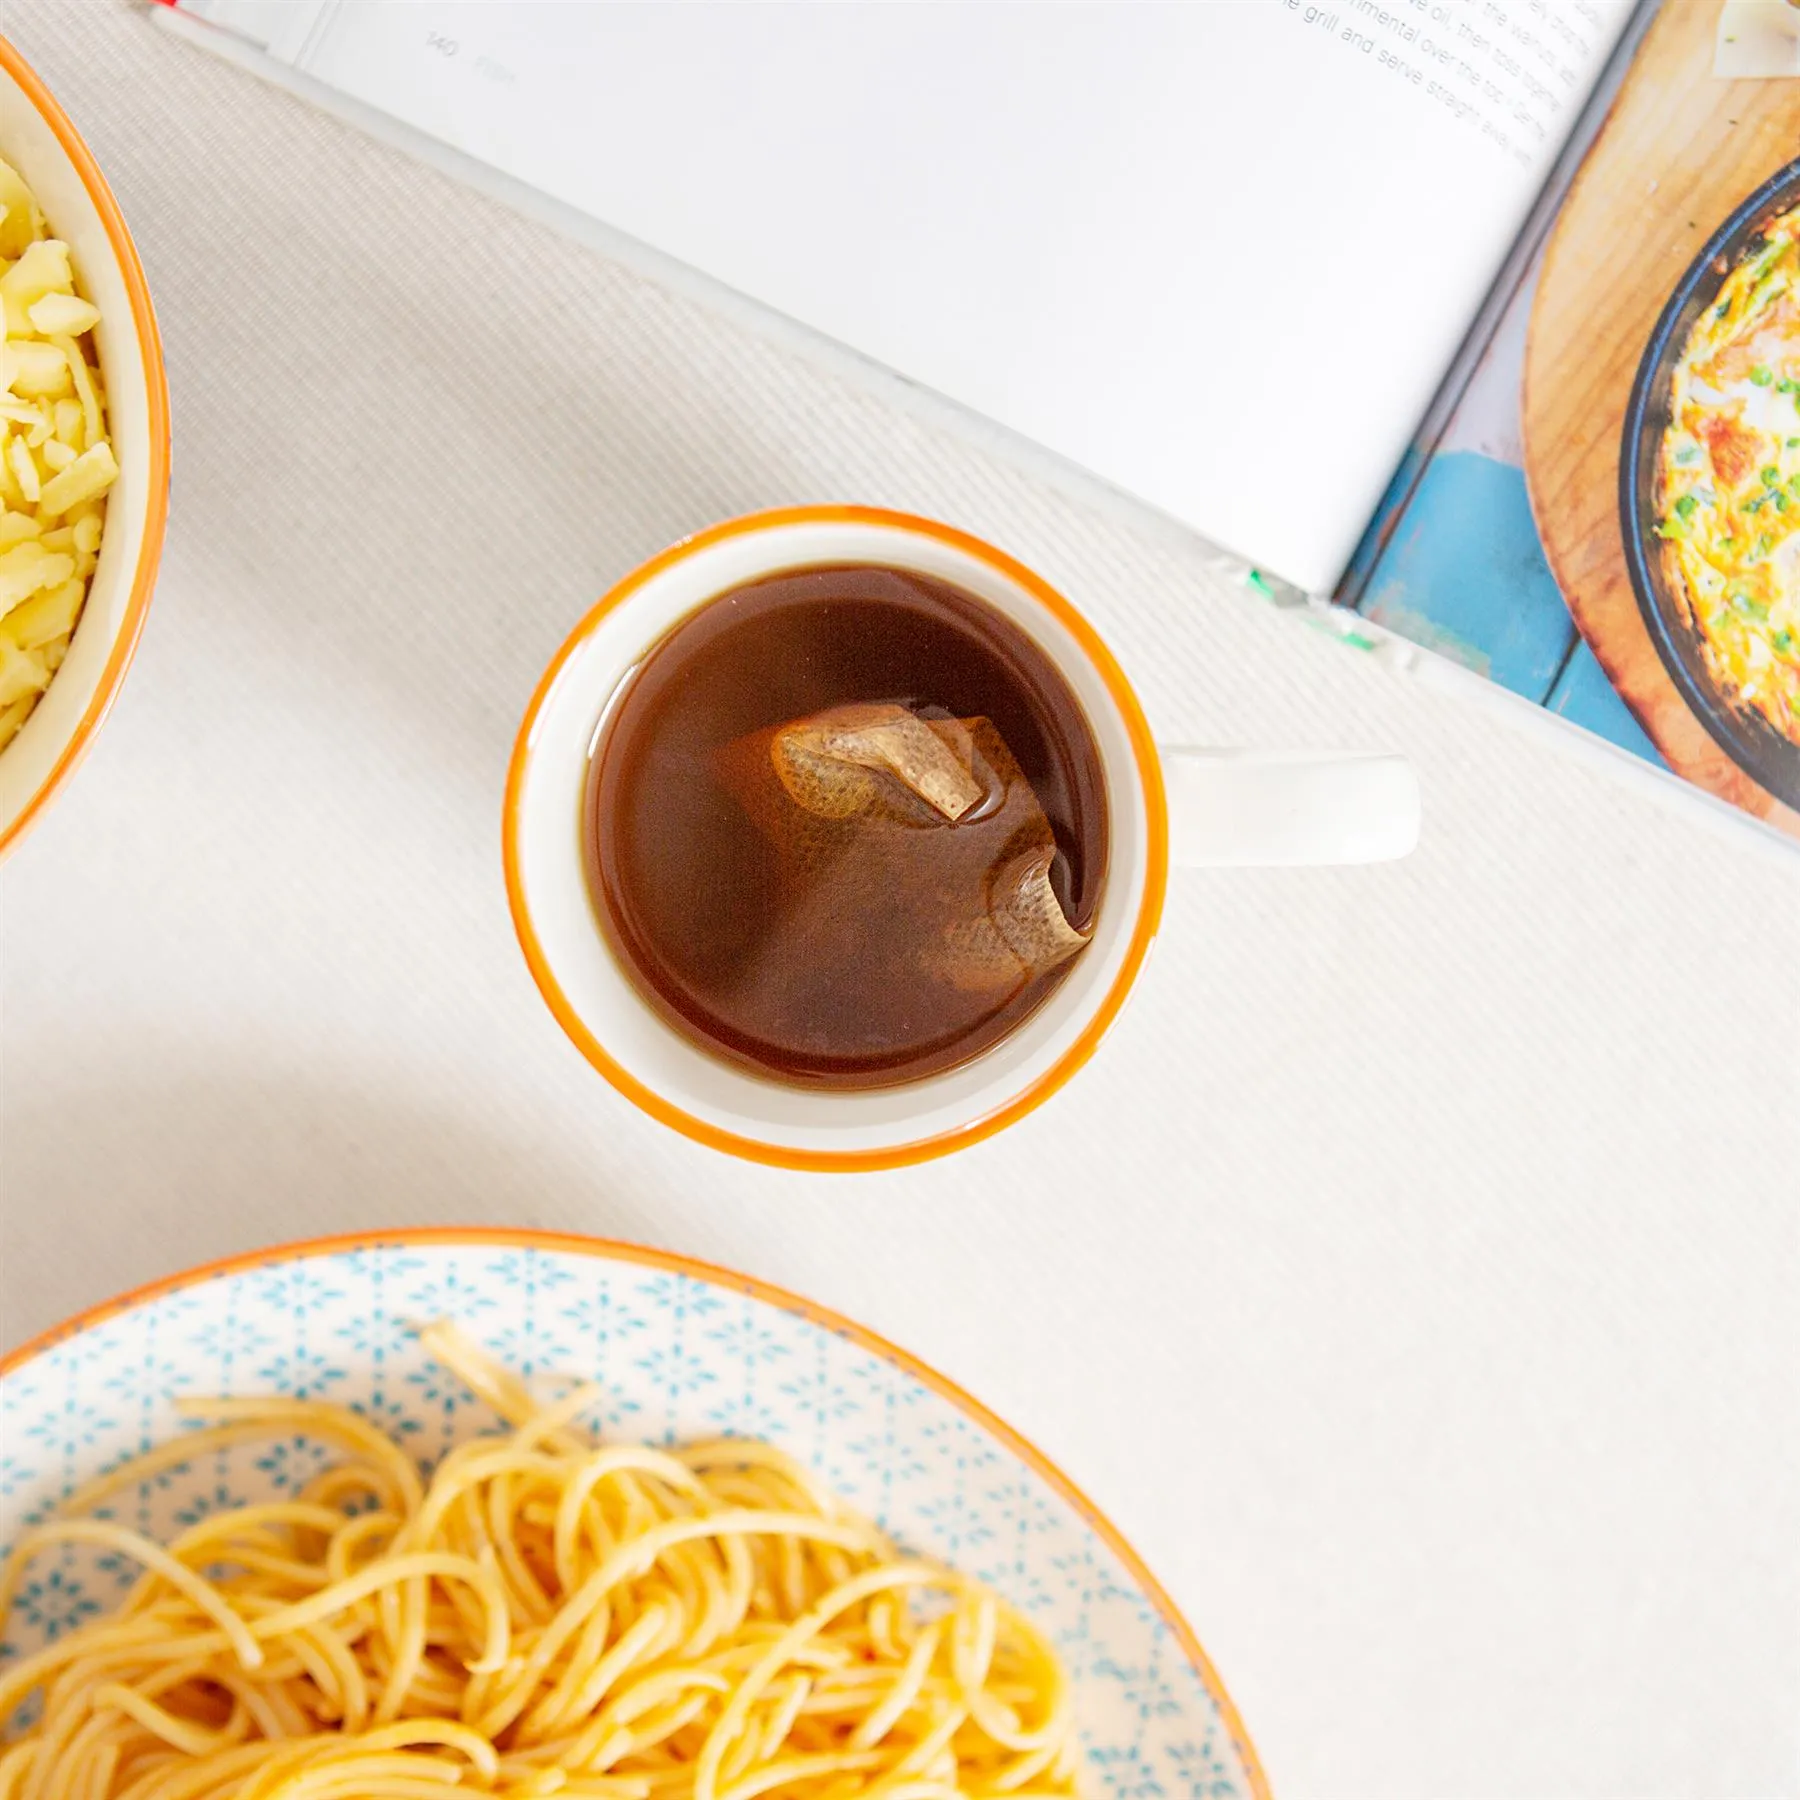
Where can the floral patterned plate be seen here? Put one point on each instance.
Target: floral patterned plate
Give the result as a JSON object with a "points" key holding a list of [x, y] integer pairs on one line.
{"points": [[683, 1350]]}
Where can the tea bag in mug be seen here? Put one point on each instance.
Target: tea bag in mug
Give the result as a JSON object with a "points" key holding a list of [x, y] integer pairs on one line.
{"points": [[911, 842]]}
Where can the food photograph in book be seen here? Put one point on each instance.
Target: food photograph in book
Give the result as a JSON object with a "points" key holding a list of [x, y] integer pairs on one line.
{"points": [[1609, 522]]}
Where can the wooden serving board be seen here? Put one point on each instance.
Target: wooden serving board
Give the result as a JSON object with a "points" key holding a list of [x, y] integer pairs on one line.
{"points": [[1678, 152]]}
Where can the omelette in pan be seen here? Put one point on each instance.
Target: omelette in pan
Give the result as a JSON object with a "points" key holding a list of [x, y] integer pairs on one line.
{"points": [[1728, 479]]}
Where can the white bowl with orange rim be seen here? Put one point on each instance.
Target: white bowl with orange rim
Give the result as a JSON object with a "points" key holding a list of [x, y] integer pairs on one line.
{"points": [[37, 138], [666, 1350]]}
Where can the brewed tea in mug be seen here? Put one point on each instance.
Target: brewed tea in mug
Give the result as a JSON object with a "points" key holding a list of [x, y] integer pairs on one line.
{"points": [[846, 827]]}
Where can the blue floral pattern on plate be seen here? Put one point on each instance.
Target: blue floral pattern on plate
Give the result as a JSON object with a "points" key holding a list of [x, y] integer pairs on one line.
{"points": [[678, 1356]]}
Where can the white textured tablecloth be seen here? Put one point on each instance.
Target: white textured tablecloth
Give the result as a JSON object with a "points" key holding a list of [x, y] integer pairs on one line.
{"points": [[1414, 1274]]}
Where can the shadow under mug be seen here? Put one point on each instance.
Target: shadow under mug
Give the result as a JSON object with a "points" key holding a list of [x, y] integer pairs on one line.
{"points": [[1189, 807]]}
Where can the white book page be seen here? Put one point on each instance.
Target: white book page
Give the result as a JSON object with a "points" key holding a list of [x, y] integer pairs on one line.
{"points": [[1219, 253]]}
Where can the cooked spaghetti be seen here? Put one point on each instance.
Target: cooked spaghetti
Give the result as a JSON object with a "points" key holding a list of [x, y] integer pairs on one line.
{"points": [[544, 1616]]}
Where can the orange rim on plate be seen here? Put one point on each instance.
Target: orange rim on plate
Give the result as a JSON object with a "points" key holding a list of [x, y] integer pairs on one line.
{"points": [[1156, 871], [612, 1250], [156, 387]]}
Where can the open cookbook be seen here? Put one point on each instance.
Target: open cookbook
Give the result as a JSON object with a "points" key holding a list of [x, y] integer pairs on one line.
{"points": [[1473, 324]]}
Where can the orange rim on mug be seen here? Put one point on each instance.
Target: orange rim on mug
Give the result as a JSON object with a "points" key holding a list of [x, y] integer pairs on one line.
{"points": [[149, 340], [671, 1262], [1149, 771]]}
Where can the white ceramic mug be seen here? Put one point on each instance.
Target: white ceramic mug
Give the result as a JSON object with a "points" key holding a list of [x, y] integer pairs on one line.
{"points": [[1190, 807]]}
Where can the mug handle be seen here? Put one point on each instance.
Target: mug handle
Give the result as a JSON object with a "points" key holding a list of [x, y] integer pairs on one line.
{"points": [[1271, 809]]}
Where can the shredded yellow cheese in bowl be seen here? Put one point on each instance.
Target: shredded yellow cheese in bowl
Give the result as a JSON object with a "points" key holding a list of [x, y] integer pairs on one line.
{"points": [[56, 459]]}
